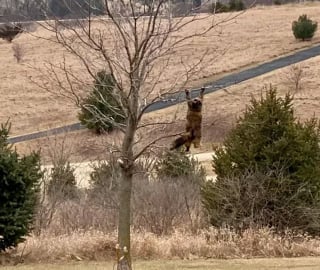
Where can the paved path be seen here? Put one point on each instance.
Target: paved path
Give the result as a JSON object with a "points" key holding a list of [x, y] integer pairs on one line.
{"points": [[212, 87]]}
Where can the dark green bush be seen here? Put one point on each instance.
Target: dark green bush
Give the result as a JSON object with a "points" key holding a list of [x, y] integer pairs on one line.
{"points": [[101, 111], [173, 164], [233, 5], [105, 181], [268, 170], [62, 182], [19, 186], [219, 7], [304, 28], [236, 5], [105, 176]]}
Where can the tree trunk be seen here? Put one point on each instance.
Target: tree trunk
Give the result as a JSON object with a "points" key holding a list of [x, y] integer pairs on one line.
{"points": [[125, 210], [127, 170]]}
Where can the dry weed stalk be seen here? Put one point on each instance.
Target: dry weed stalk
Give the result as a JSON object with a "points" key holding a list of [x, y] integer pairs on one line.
{"points": [[18, 52]]}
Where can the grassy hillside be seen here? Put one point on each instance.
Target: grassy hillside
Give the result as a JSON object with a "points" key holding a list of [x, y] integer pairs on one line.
{"points": [[256, 36]]}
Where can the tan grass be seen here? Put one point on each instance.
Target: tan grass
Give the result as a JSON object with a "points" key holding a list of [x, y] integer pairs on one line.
{"points": [[220, 111], [234, 99], [87, 245], [214, 243], [256, 36]]}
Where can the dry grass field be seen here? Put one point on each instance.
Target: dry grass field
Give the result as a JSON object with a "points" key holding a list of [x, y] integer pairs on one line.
{"points": [[92, 245], [307, 263], [211, 244], [221, 110], [256, 36]]}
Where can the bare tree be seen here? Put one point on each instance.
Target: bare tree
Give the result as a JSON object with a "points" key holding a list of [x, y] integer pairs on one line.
{"points": [[140, 50], [294, 77]]}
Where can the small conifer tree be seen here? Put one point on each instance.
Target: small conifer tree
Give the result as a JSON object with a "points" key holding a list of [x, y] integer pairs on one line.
{"points": [[304, 28], [62, 182], [219, 7], [19, 186], [236, 5], [104, 182], [101, 111], [173, 164], [268, 170]]}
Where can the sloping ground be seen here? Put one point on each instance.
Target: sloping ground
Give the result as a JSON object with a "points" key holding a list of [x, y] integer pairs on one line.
{"points": [[223, 82], [254, 37], [220, 111], [223, 107]]}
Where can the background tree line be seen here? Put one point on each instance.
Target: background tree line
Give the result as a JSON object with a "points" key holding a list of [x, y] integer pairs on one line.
{"points": [[41, 9]]}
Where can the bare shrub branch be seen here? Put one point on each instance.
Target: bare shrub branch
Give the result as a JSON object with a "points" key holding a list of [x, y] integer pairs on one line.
{"points": [[294, 77], [18, 52]]}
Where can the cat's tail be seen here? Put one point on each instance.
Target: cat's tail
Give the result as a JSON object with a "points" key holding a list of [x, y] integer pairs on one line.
{"points": [[182, 140]]}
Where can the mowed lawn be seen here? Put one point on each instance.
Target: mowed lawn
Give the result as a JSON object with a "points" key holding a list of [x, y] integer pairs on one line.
{"points": [[309, 263]]}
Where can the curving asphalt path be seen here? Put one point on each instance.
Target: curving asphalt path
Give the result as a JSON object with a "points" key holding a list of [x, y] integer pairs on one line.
{"points": [[174, 99]]}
